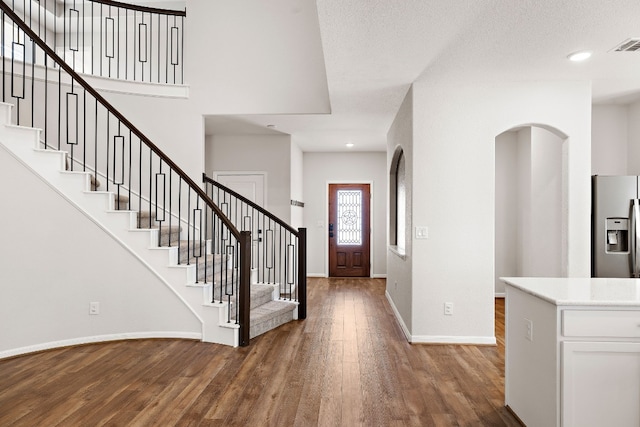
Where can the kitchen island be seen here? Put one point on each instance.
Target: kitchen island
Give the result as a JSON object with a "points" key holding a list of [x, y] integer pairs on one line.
{"points": [[572, 354]]}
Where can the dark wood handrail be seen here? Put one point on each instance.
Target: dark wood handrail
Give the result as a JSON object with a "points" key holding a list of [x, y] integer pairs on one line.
{"points": [[76, 77], [139, 8], [257, 207]]}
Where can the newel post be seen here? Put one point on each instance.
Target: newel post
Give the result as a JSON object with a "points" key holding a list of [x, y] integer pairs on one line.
{"points": [[245, 287], [302, 273]]}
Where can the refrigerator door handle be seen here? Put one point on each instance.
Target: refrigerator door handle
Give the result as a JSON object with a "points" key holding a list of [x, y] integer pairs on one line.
{"points": [[635, 238]]}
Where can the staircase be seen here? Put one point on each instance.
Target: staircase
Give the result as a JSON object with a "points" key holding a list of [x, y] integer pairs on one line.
{"points": [[100, 162], [164, 248]]}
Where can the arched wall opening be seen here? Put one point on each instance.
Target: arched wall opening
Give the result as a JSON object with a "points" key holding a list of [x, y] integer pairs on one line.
{"points": [[530, 203], [397, 201]]}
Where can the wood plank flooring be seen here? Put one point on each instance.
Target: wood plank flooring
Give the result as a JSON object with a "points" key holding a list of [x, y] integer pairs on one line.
{"points": [[348, 364]]}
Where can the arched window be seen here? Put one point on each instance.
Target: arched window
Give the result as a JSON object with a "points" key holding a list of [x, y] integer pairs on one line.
{"points": [[398, 204]]}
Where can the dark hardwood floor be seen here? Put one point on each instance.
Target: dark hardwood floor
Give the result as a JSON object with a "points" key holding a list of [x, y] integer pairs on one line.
{"points": [[348, 364]]}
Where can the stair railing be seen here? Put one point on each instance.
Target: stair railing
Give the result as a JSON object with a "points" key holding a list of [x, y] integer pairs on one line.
{"points": [[48, 94], [279, 252], [109, 38]]}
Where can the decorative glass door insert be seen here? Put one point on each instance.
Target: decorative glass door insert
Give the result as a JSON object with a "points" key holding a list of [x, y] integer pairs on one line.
{"points": [[349, 217]]}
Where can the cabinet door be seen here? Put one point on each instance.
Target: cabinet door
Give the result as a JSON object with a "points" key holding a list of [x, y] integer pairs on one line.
{"points": [[600, 384]]}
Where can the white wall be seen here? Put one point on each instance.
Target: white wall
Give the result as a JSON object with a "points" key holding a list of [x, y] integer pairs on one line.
{"points": [[610, 147], [256, 153], [453, 193], [320, 169], [297, 185], [507, 231], [55, 261], [523, 208], [241, 58], [633, 153], [399, 267], [546, 254]]}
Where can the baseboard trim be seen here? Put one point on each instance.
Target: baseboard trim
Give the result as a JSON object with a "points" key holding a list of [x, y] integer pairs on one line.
{"points": [[399, 318], [316, 275], [444, 339], [99, 338], [373, 276]]}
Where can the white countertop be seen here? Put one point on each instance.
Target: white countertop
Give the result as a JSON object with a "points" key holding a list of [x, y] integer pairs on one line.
{"points": [[580, 291]]}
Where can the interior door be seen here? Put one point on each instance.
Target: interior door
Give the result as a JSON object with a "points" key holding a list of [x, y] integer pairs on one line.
{"points": [[349, 230], [249, 185]]}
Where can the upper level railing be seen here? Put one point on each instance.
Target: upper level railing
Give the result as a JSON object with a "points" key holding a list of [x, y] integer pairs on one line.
{"points": [[109, 38], [48, 94], [279, 252]]}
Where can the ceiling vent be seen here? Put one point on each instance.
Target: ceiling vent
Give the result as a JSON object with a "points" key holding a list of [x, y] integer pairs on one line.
{"points": [[629, 45]]}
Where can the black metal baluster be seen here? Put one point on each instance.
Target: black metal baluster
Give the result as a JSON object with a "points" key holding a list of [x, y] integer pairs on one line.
{"points": [[166, 62], [140, 181], [171, 212], [84, 131], [159, 60], [180, 215], [4, 56], [107, 157], [59, 105], [126, 46], [101, 35], [118, 50], [151, 189], [150, 50], [206, 252], [181, 57], [84, 32], [64, 30], [95, 144], [92, 42], [197, 251], [110, 41], [134, 44], [161, 191], [46, 98], [33, 73]]}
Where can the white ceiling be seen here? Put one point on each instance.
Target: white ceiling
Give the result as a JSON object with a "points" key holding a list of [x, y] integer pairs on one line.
{"points": [[374, 49]]}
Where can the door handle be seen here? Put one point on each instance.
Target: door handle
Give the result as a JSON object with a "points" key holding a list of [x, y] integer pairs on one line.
{"points": [[330, 230]]}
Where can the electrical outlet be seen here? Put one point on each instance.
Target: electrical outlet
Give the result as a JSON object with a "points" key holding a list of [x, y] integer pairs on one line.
{"points": [[94, 308], [528, 334], [448, 308]]}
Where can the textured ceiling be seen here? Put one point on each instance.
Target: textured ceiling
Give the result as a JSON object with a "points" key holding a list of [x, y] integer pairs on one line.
{"points": [[374, 50]]}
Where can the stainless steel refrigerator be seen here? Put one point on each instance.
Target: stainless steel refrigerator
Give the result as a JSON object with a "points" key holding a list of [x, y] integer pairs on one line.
{"points": [[615, 236]]}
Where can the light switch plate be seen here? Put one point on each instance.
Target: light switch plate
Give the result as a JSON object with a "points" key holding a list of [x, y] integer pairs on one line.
{"points": [[422, 232]]}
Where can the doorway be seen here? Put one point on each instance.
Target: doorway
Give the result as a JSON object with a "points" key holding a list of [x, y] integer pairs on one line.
{"points": [[530, 204], [349, 230]]}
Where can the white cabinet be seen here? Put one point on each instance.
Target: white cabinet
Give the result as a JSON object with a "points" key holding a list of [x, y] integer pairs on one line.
{"points": [[600, 366], [572, 363], [600, 384]]}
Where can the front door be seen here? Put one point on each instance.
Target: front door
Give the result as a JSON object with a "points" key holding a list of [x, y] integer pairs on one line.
{"points": [[348, 230]]}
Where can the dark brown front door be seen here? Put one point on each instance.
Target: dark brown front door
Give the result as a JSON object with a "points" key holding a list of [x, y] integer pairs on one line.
{"points": [[349, 230]]}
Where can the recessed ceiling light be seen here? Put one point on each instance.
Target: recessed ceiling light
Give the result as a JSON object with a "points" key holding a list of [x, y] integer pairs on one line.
{"points": [[349, 144], [579, 56]]}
